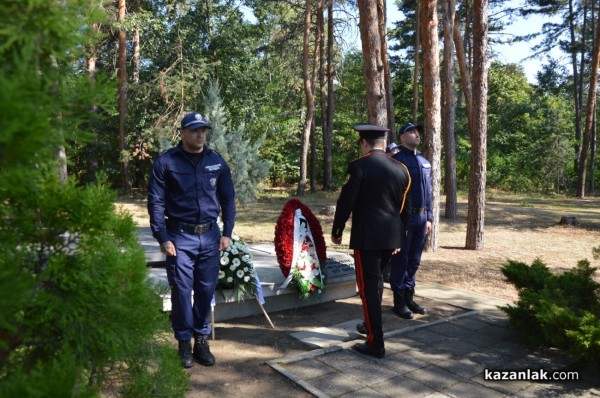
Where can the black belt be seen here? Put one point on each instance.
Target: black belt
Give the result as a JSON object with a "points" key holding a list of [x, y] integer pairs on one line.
{"points": [[190, 228], [417, 210]]}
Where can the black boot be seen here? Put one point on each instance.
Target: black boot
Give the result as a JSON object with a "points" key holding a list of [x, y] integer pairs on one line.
{"points": [[185, 354], [400, 307], [414, 307], [202, 351], [362, 328]]}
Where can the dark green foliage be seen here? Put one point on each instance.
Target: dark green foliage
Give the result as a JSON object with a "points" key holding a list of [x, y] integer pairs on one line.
{"points": [[562, 310], [78, 316]]}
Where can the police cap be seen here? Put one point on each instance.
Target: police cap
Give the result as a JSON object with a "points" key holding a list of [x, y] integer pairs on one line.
{"points": [[410, 127]]}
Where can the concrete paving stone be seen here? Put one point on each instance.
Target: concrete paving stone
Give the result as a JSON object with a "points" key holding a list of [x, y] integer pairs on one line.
{"points": [[494, 317], [343, 359], [321, 337], [425, 336], [362, 393], [504, 386], [513, 349], [449, 329], [480, 339], [556, 391], [370, 373], [308, 368], [489, 358], [401, 363], [457, 346], [437, 394], [470, 323], [336, 384], [461, 366], [467, 389], [398, 344], [430, 354], [499, 332], [434, 377], [401, 386]]}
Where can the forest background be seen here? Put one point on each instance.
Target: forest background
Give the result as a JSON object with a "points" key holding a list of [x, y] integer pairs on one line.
{"points": [[92, 91], [168, 54]]}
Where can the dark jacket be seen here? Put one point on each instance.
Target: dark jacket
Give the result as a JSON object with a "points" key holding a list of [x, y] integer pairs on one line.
{"points": [[420, 174], [375, 194], [194, 194]]}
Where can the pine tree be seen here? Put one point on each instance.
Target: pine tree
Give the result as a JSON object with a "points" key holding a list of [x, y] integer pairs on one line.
{"points": [[242, 155], [77, 312]]}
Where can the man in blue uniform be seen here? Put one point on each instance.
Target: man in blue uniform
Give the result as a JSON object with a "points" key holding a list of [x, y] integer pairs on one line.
{"points": [[374, 194], [189, 186], [405, 264]]}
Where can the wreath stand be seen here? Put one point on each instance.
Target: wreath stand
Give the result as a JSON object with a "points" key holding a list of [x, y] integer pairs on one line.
{"points": [[212, 317]]}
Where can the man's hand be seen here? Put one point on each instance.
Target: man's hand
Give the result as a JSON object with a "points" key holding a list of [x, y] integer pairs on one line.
{"points": [[168, 248], [336, 240], [225, 242], [428, 228]]}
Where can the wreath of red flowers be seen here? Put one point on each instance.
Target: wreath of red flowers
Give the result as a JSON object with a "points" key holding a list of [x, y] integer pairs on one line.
{"points": [[284, 235]]}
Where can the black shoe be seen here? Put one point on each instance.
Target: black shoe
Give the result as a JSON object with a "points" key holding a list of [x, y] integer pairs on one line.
{"points": [[366, 349], [414, 307], [362, 328], [202, 351], [400, 307], [185, 354]]}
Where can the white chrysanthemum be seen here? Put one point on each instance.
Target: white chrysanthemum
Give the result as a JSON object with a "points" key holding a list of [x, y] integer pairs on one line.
{"points": [[226, 253], [229, 279], [246, 278], [234, 251], [224, 260], [221, 274], [246, 258], [233, 267], [240, 273], [236, 262], [245, 269]]}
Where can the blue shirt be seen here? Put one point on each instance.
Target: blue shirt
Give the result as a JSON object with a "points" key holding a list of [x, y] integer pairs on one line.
{"points": [[420, 175], [191, 193]]}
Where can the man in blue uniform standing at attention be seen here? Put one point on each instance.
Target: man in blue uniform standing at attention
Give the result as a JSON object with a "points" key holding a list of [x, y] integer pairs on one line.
{"points": [[404, 265], [189, 186]]}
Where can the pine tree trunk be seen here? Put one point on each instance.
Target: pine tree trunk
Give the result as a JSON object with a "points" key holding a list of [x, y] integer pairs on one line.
{"points": [[477, 178], [310, 101], [589, 115], [577, 87], [328, 132], [387, 79], [448, 113], [322, 77], [373, 64], [415, 109], [122, 76], [465, 75], [432, 102]]}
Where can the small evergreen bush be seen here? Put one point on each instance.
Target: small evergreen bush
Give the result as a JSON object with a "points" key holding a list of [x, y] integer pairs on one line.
{"points": [[562, 310]]}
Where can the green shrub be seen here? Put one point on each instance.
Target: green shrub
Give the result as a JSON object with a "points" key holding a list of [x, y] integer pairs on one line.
{"points": [[79, 313], [562, 310]]}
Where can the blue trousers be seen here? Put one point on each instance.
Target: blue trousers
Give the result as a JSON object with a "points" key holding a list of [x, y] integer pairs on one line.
{"points": [[404, 265], [195, 268]]}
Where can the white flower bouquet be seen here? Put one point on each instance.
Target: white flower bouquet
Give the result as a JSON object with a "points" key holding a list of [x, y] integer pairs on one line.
{"points": [[237, 270]]}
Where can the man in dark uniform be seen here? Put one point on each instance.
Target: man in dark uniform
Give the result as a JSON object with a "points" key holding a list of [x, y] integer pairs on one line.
{"points": [[374, 194], [405, 264], [189, 186]]}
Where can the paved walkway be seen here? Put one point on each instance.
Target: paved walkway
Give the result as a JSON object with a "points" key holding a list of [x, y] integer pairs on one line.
{"points": [[447, 357]]}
